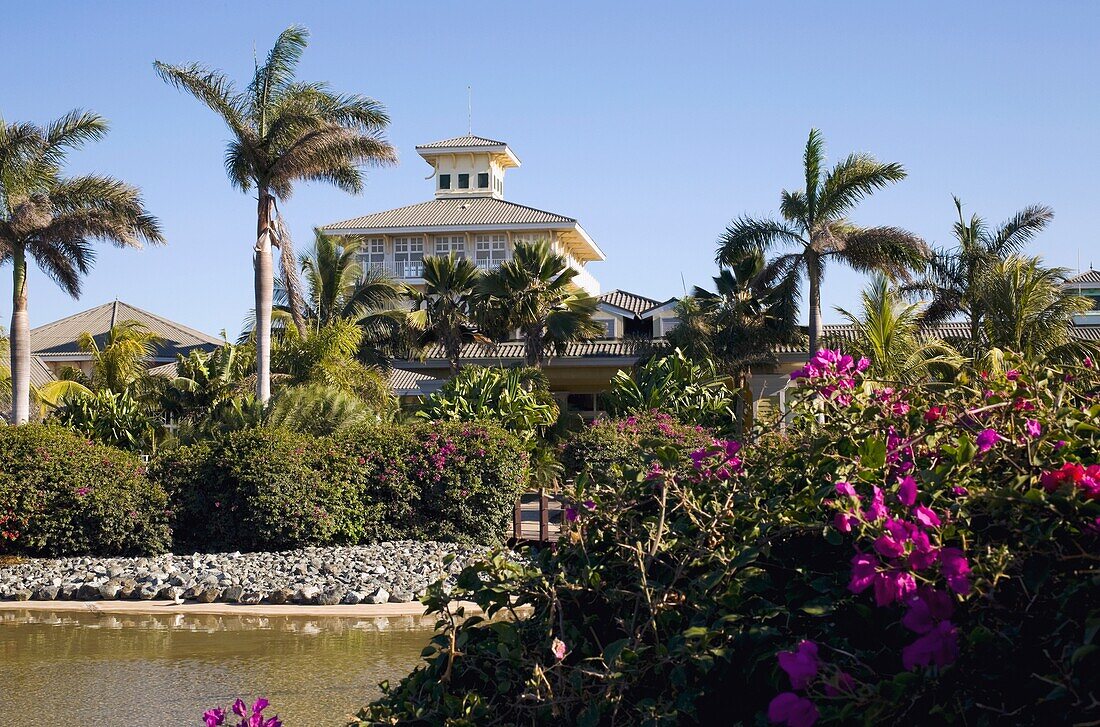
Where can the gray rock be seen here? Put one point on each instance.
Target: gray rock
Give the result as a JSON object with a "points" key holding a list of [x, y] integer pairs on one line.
{"points": [[208, 594], [352, 597], [280, 595], [233, 594], [109, 590], [401, 597], [329, 598], [381, 595], [23, 594]]}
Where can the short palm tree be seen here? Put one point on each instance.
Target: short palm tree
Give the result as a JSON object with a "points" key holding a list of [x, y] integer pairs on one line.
{"points": [[444, 310], [888, 334], [337, 288], [285, 131], [814, 222], [53, 220], [123, 359], [534, 292], [1027, 309], [953, 277]]}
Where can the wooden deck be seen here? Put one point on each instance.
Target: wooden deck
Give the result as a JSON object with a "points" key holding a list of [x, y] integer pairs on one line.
{"points": [[537, 518]]}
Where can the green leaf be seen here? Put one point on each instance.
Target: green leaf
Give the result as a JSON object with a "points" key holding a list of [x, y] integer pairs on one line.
{"points": [[872, 453]]}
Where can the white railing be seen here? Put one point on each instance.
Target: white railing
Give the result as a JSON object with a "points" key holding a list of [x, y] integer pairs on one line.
{"points": [[414, 270]]}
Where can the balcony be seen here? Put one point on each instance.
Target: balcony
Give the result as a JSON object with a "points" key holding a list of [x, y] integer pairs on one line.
{"points": [[412, 272]]}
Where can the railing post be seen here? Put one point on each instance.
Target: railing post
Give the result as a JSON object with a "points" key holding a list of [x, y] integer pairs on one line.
{"points": [[544, 517], [517, 520]]}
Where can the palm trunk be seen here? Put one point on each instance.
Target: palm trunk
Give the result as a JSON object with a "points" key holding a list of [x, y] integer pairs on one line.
{"points": [[533, 346], [20, 344], [453, 344], [264, 283], [813, 270]]}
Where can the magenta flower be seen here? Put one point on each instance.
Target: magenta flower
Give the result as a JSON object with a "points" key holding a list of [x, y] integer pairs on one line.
{"points": [[1012, 375], [557, 648], [801, 664], [571, 513], [214, 717], [926, 517], [239, 708], [940, 646], [935, 413], [589, 505], [923, 554], [893, 586], [864, 569], [986, 439], [956, 570], [82, 491], [846, 489], [907, 491], [844, 522], [1088, 362], [1033, 428], [888, 547], [790, 709], [877, 510]]}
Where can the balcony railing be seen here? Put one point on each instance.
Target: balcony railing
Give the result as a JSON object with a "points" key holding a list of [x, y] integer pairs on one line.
{"points": [[414, 270]]}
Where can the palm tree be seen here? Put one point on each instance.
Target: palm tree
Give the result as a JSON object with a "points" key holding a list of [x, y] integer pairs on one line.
{"points": [[122, 361], [1027, 309], [814, 221], [444, 310], [534, 292], [285, 131], [953, 276], [337, 288], [54, 219], [888, 334]]}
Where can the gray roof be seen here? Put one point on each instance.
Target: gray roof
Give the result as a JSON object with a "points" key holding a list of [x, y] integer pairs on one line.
{"points": [[628, 348], [1089, 277], [951, 331], [636, 304], [413, 383], [40, 372], [453, 212], [57, 340], [461, 141]]}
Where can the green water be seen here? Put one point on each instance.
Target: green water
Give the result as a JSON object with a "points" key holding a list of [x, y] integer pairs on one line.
{"points": [[77, 668]]}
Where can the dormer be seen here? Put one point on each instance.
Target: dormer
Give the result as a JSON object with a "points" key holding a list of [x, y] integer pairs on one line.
{"points": [[468, 166]]}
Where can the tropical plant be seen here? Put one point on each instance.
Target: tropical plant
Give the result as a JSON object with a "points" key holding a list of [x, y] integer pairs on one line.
{"points": [[53, 219], [204, 380], [815, 222], [694, 392], [888, 334], [115, 418], [534, 292], [318, 409], [518, 400], [285, 131], [953, 277], [1027, 309], [123, 360], [444, 310]]}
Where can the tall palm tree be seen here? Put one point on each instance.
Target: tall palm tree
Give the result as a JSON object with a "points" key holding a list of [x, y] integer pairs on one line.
{"points": [[337, 288], [54, 219], [888, 334], [285, 131], [444, 310], [814, 222], [534, 292], [1027, 309], [953, 276]]}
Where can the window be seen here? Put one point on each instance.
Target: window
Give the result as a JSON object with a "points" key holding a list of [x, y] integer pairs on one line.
{"points": [[444, 181], [463, 181], [451, 244], [608, 327], [483, 180], [374, 254], [490, 251], [668, 324], [408, 257]]}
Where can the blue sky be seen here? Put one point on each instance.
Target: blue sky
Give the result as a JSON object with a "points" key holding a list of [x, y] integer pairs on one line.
{"points": [[653, 123]]}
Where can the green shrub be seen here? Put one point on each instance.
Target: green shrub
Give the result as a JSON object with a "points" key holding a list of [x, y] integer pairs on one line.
{"points": [[441, 481], [61, 494], [925, 556], [260, 489], [519, 400], [115, 419], [607, 448]]}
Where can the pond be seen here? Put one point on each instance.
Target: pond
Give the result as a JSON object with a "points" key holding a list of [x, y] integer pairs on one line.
{"points": [[84, 668]]}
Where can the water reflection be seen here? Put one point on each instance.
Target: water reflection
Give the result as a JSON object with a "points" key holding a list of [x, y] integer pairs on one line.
{"points": [[84, 668]]}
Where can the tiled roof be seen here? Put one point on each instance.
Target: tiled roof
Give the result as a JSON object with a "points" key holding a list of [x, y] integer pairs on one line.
{"points": [[461, 141], [515, 350], [1090, 276], [40, 372], [636, 304], [453, 212], [57, 340], [955, 330], [412, 383]]}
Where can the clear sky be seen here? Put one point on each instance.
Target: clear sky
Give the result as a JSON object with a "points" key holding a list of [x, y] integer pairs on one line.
{"points": [[653, 123]]}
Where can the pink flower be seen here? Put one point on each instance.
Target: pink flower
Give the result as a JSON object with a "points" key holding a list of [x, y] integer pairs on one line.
{"points": [[864, 569], [214, 717], [239, 708], [923, 554], [926, 517], [1088, 362], [893, 586], [571, 513], [844, 522], [846, 489], [557, 648], [940, 646], [877, 510], [986, 439], [935, 413], [1033, 428], [589, 505], [1012, 375], [959, 491], [790, 709], [956, 570], [907, 491], [888, 547], [82, 491], [925, 609], [801, 664]]}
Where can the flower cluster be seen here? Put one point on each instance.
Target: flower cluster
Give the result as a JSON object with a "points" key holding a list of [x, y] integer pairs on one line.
{"points": [[718, 461], [1081, 478], [804, 670], [253, 717], [832, 372]]}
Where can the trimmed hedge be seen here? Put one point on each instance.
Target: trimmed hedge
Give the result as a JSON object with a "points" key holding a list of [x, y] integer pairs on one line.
{"points": [[608, 448], [61, 494], [267, 489]]}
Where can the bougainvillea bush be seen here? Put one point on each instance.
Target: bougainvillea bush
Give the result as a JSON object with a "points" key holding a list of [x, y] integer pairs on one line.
{"points": [[914, 556], [61, 494]]}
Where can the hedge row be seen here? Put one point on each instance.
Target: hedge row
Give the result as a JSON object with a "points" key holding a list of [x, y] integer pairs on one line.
{"points": [[257, 489]]}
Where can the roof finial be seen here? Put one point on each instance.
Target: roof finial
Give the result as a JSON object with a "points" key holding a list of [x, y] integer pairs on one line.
{"points": [[469, 110]]}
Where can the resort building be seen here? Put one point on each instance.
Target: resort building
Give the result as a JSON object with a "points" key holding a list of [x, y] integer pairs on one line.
{"points": [[1088, 285]]}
